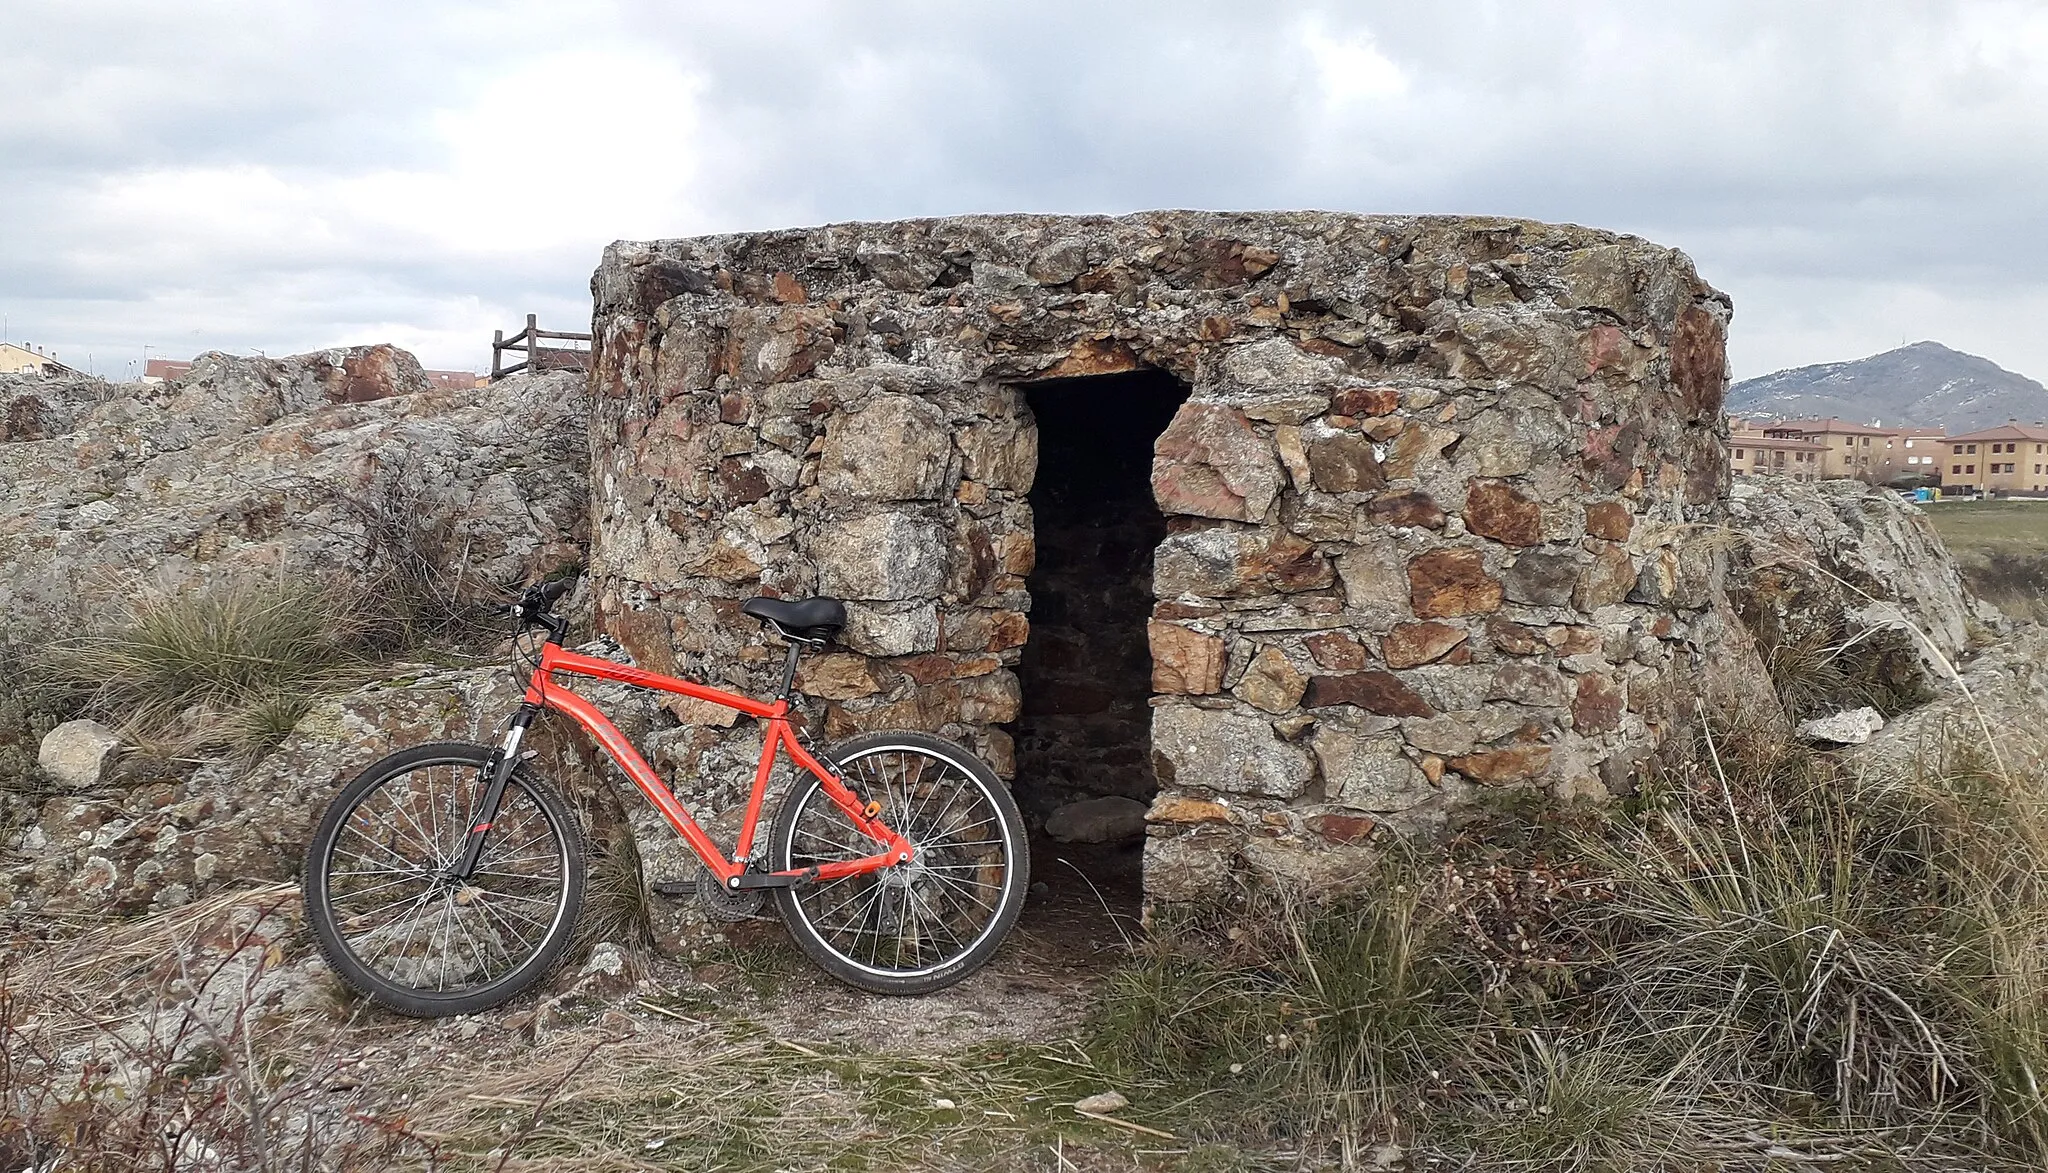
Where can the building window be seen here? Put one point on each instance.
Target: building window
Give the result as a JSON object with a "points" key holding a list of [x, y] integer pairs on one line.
{"points": [[1973, 450], [1738, 454], [1959, 450], [1909, 443], [1970, 469], [1958, 469]]}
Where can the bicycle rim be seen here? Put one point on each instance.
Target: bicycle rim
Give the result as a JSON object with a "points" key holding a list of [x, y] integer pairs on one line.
{"points": [[406, 925], [913, 920]]}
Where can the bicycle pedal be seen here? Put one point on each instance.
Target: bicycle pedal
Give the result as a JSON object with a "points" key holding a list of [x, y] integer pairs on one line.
{"points": [[674, 889]]}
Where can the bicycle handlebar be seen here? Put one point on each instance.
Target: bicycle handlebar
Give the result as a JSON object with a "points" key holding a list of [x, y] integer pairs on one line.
{"points": [[535, 607]]}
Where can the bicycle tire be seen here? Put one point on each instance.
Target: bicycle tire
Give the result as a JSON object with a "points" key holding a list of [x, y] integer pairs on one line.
{"points": [[952, 869], [536, 833]]}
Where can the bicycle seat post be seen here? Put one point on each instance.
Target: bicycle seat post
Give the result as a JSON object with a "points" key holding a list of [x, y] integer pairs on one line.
{"points": [[789, 667]]}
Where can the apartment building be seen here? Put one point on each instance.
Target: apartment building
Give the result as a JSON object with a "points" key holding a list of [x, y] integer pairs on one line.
{"points": [[2011, 458], [1756, 453], [1868, 452]]}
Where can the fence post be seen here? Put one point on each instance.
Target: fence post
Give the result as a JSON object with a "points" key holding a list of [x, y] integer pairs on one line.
{"points": [[497, 350], [532, 346]]}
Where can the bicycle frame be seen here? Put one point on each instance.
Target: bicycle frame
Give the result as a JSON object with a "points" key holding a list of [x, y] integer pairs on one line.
{"points": [[544, 693]]}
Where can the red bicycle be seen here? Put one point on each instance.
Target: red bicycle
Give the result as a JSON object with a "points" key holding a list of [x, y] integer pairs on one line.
{"points": [[446, 878]]}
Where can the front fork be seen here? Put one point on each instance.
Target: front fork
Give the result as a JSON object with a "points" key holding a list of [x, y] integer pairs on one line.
{"points": [[498, 771]]}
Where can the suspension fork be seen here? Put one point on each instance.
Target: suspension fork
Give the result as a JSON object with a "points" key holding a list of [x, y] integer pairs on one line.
{"points": [[498, 771]]}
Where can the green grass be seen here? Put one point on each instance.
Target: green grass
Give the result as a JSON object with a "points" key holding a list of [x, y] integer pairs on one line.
{"points": [[1978, 527], [2002, 549]]}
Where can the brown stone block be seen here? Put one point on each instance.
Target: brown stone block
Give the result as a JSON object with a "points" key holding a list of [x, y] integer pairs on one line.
{"points": [[1093, 356], [1610, 520], [1343, 828], [930, 668], [1271, 683], [1009, 629], [1699, 361], [840, 676], [1597, 706], [1508, 636], [1495, 509], [1413, 508], [743, 482], [1417, 443], [1514, 764], [1344, 463], [1184, 660], [1605, 581], [786, 289], [1375, 692], [1365, 401], [1570, 640], [1451, 582], [1336, 651], [1412, 644], [1173, 809], [1209, 462]]}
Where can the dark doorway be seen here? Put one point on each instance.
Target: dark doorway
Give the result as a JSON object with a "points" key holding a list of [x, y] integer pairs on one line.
{"points": [[1085, 727]]}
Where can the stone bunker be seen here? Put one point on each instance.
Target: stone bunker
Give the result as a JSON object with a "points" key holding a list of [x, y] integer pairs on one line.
{"points": [[1291, 525]]}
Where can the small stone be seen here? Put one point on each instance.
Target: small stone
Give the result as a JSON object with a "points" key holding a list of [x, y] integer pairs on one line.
{"points": [[1853, 727], [1597, 704], [1610, 520], [1102, 1103], [1542, 579], [79, 754], [839, 676], [1227, 752], [1166, 809], [1413, 644], [1336, 651], [1109, 819], [1413, 508], [1514, 764], [1271, 682], [1529, 684], [1365, 401], [1450, 582], [1508, 636], [1375, 692], [1184, 660], [1605, 581], [1344, 462]]}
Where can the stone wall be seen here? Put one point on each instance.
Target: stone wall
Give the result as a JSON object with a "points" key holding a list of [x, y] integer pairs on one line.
{"points": [[1430, 501]]}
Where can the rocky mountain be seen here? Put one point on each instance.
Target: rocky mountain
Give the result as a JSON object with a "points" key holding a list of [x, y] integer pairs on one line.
{"points": [[1926, 384]]}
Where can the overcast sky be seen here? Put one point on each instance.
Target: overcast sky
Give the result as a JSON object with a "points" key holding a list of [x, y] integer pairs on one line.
{"points": [[264, 174]]}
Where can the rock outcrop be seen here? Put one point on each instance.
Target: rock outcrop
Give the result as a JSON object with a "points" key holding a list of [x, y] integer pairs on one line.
{"points": [[302, 467], [1850, 593]]}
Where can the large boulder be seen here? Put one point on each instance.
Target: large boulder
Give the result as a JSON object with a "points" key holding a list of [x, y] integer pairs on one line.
{"points": [[313, 467], [1992, 716], [1849, 593], [38, 407]]}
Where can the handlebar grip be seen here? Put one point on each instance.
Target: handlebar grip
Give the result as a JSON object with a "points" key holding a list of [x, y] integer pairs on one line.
{"points": [[555, 590]]}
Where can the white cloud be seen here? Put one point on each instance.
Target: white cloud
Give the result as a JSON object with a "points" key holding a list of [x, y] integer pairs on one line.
{"points": [[286, 174]]}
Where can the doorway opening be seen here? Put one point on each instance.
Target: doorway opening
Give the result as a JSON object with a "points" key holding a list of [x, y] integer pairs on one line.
{"points": [[1085, 727]]}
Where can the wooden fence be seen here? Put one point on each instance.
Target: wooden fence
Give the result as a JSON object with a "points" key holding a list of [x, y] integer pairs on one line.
{"points": [[538, 357]]}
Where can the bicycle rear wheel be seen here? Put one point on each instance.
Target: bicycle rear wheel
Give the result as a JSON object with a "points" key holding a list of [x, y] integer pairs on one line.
{"points": [[918, 927], [392, 922]]}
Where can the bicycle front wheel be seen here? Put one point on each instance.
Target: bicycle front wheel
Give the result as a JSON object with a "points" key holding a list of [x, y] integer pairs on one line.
{"points": [[918, 927], [386, 911]]}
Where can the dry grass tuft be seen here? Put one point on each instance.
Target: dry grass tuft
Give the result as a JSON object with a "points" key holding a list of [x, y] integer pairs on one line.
{"points": [[1764, 962], [233, 667]]}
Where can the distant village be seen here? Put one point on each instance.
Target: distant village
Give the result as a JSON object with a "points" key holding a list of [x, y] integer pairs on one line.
{"points": [[2010, 460], [23, 359]]}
